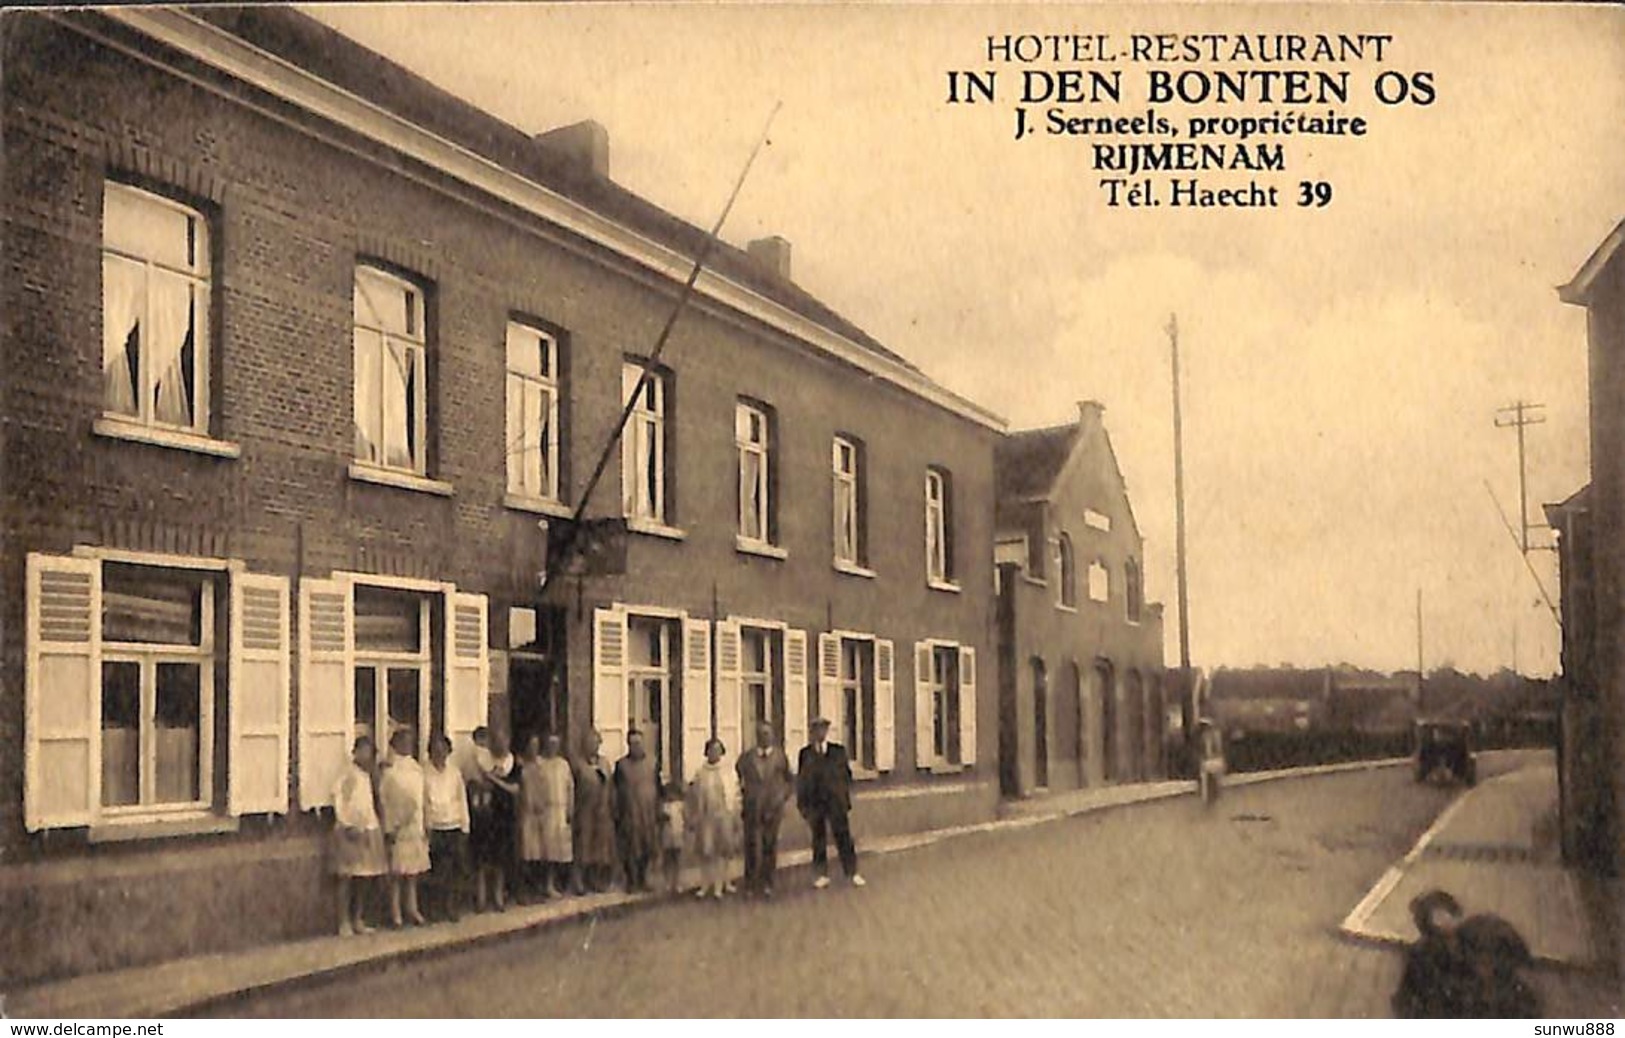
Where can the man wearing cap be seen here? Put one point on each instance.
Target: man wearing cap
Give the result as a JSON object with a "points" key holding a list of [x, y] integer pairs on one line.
{"points": [[824, 797]]}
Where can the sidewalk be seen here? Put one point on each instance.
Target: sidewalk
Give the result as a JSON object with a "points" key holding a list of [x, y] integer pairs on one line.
{"points": [[187, 985], [1495, 849]]}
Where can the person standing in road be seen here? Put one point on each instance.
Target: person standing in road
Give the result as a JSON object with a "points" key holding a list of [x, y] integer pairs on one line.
{"points": [[764, 780], [714, 818], [445, 812], [358, 856], [637, 811], [594, 826], [824, 798]]}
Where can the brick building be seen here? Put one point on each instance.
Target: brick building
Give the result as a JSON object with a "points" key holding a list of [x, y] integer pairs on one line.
{"points": [[1592, 571], [304, 358], [1081, 684]]}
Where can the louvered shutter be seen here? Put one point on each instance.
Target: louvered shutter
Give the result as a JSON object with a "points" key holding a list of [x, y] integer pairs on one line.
{"points": [[609, 694], [924, 732], [258, 692], [967, 705], [696, 694], [468, 668], [795, 694], [730, 691], [326, 687], [885, 707], [829, 687], [62, 683]]}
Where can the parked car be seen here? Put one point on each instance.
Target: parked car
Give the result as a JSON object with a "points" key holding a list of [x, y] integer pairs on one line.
{"points": [[1447, 746]]}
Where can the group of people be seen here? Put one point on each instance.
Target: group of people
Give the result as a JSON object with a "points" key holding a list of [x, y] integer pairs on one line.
{"points": [[538, 825], [1463, 969]]}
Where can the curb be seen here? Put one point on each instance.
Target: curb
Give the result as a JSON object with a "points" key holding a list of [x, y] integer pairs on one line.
{"points": [[616, 905]]}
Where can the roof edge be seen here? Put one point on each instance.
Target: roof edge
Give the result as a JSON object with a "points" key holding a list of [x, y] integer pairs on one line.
{"points": [[1578, 291], [247, 62]]}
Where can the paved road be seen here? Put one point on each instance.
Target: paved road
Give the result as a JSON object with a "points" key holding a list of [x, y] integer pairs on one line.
{"points": [[1155, 910]]}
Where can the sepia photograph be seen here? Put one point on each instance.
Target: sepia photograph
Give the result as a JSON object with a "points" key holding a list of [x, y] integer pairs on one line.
{"points": [[858, 511]]}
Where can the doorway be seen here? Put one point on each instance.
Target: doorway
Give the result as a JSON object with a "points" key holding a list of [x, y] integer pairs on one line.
{"points": [[538, 675], [1040, 725], [652, 688], [1106, 696]]}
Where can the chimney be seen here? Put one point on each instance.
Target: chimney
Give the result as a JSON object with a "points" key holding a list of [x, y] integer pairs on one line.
{"points": [[771, 255], [585, 145], [1090, 409]]}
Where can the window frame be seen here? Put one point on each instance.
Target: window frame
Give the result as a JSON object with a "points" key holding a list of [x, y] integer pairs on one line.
{"points": [[1133, 591], [653, 382], [550, 382], [854, 478], [940, 570], [201, 282], [947, 752], [417, 348], [1066, 572], [863, 687], [766, 451], [1098, 566], [148, 656], [382, 661]]}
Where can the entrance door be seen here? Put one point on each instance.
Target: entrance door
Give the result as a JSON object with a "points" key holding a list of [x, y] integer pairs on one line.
{"points": [[651, 688], [1040, 725], [536, 674], [1106, 695]]}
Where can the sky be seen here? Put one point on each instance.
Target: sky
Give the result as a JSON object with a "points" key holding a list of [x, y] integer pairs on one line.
{"points": [[1341, 366]]}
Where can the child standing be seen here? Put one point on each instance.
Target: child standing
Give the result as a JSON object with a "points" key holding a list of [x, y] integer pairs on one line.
{"points": [[671, 832], [358, 839], [1435, 982]]}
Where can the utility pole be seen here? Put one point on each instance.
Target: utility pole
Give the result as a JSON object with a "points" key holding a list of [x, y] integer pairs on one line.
{"points": [[1420, 679], [1517, 416], [1179, 503]]}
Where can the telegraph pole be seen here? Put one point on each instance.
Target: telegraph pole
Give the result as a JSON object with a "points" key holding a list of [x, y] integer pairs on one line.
{"points": [[1179, 503], [1419, 678], [1517, 416]]}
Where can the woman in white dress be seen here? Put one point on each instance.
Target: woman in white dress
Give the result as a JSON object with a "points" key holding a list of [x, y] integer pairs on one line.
{"points": [[401, 793]]}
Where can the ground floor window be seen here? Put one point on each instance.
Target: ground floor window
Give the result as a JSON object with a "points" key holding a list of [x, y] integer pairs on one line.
{"points": [[761, 655], [944, 704], [942, 675], [157, 694], [146, 677], [392, 665]]}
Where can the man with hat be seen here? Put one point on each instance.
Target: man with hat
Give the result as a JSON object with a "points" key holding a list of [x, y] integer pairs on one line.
{"points": [[824, 798], [764, 779]]}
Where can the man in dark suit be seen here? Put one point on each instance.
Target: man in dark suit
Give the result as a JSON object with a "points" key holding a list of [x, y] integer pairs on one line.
{"points": [[764, 782], [824, 798]]}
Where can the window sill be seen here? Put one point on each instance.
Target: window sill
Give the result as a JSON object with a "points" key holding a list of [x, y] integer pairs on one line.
{"points": [[536, 505], [1100, 601], [944, 585], [852, 569], [364, 473], [117, 429], [940, 767], [158, 827], [762, 548], [655, 529], [862, 774], [1062, 607], [1033, 581]]}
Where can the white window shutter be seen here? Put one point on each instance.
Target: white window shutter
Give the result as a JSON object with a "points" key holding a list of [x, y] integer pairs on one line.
{"points": [[885, 706], [609, 693], [326, 687], [795, 694], [967, 705], [696, 694], [468, 667], [63, 679], [924, 741], [829, 686], [730, 689], [257, 709]]}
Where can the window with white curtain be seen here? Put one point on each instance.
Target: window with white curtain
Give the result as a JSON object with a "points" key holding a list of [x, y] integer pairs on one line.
{"points": [[391, 369], [155, 310], [753, 437], [846, 462], [643, 445], [533, 412]]}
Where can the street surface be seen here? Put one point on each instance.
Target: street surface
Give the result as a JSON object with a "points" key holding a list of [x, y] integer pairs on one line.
{"points": [[1161, 909]]}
